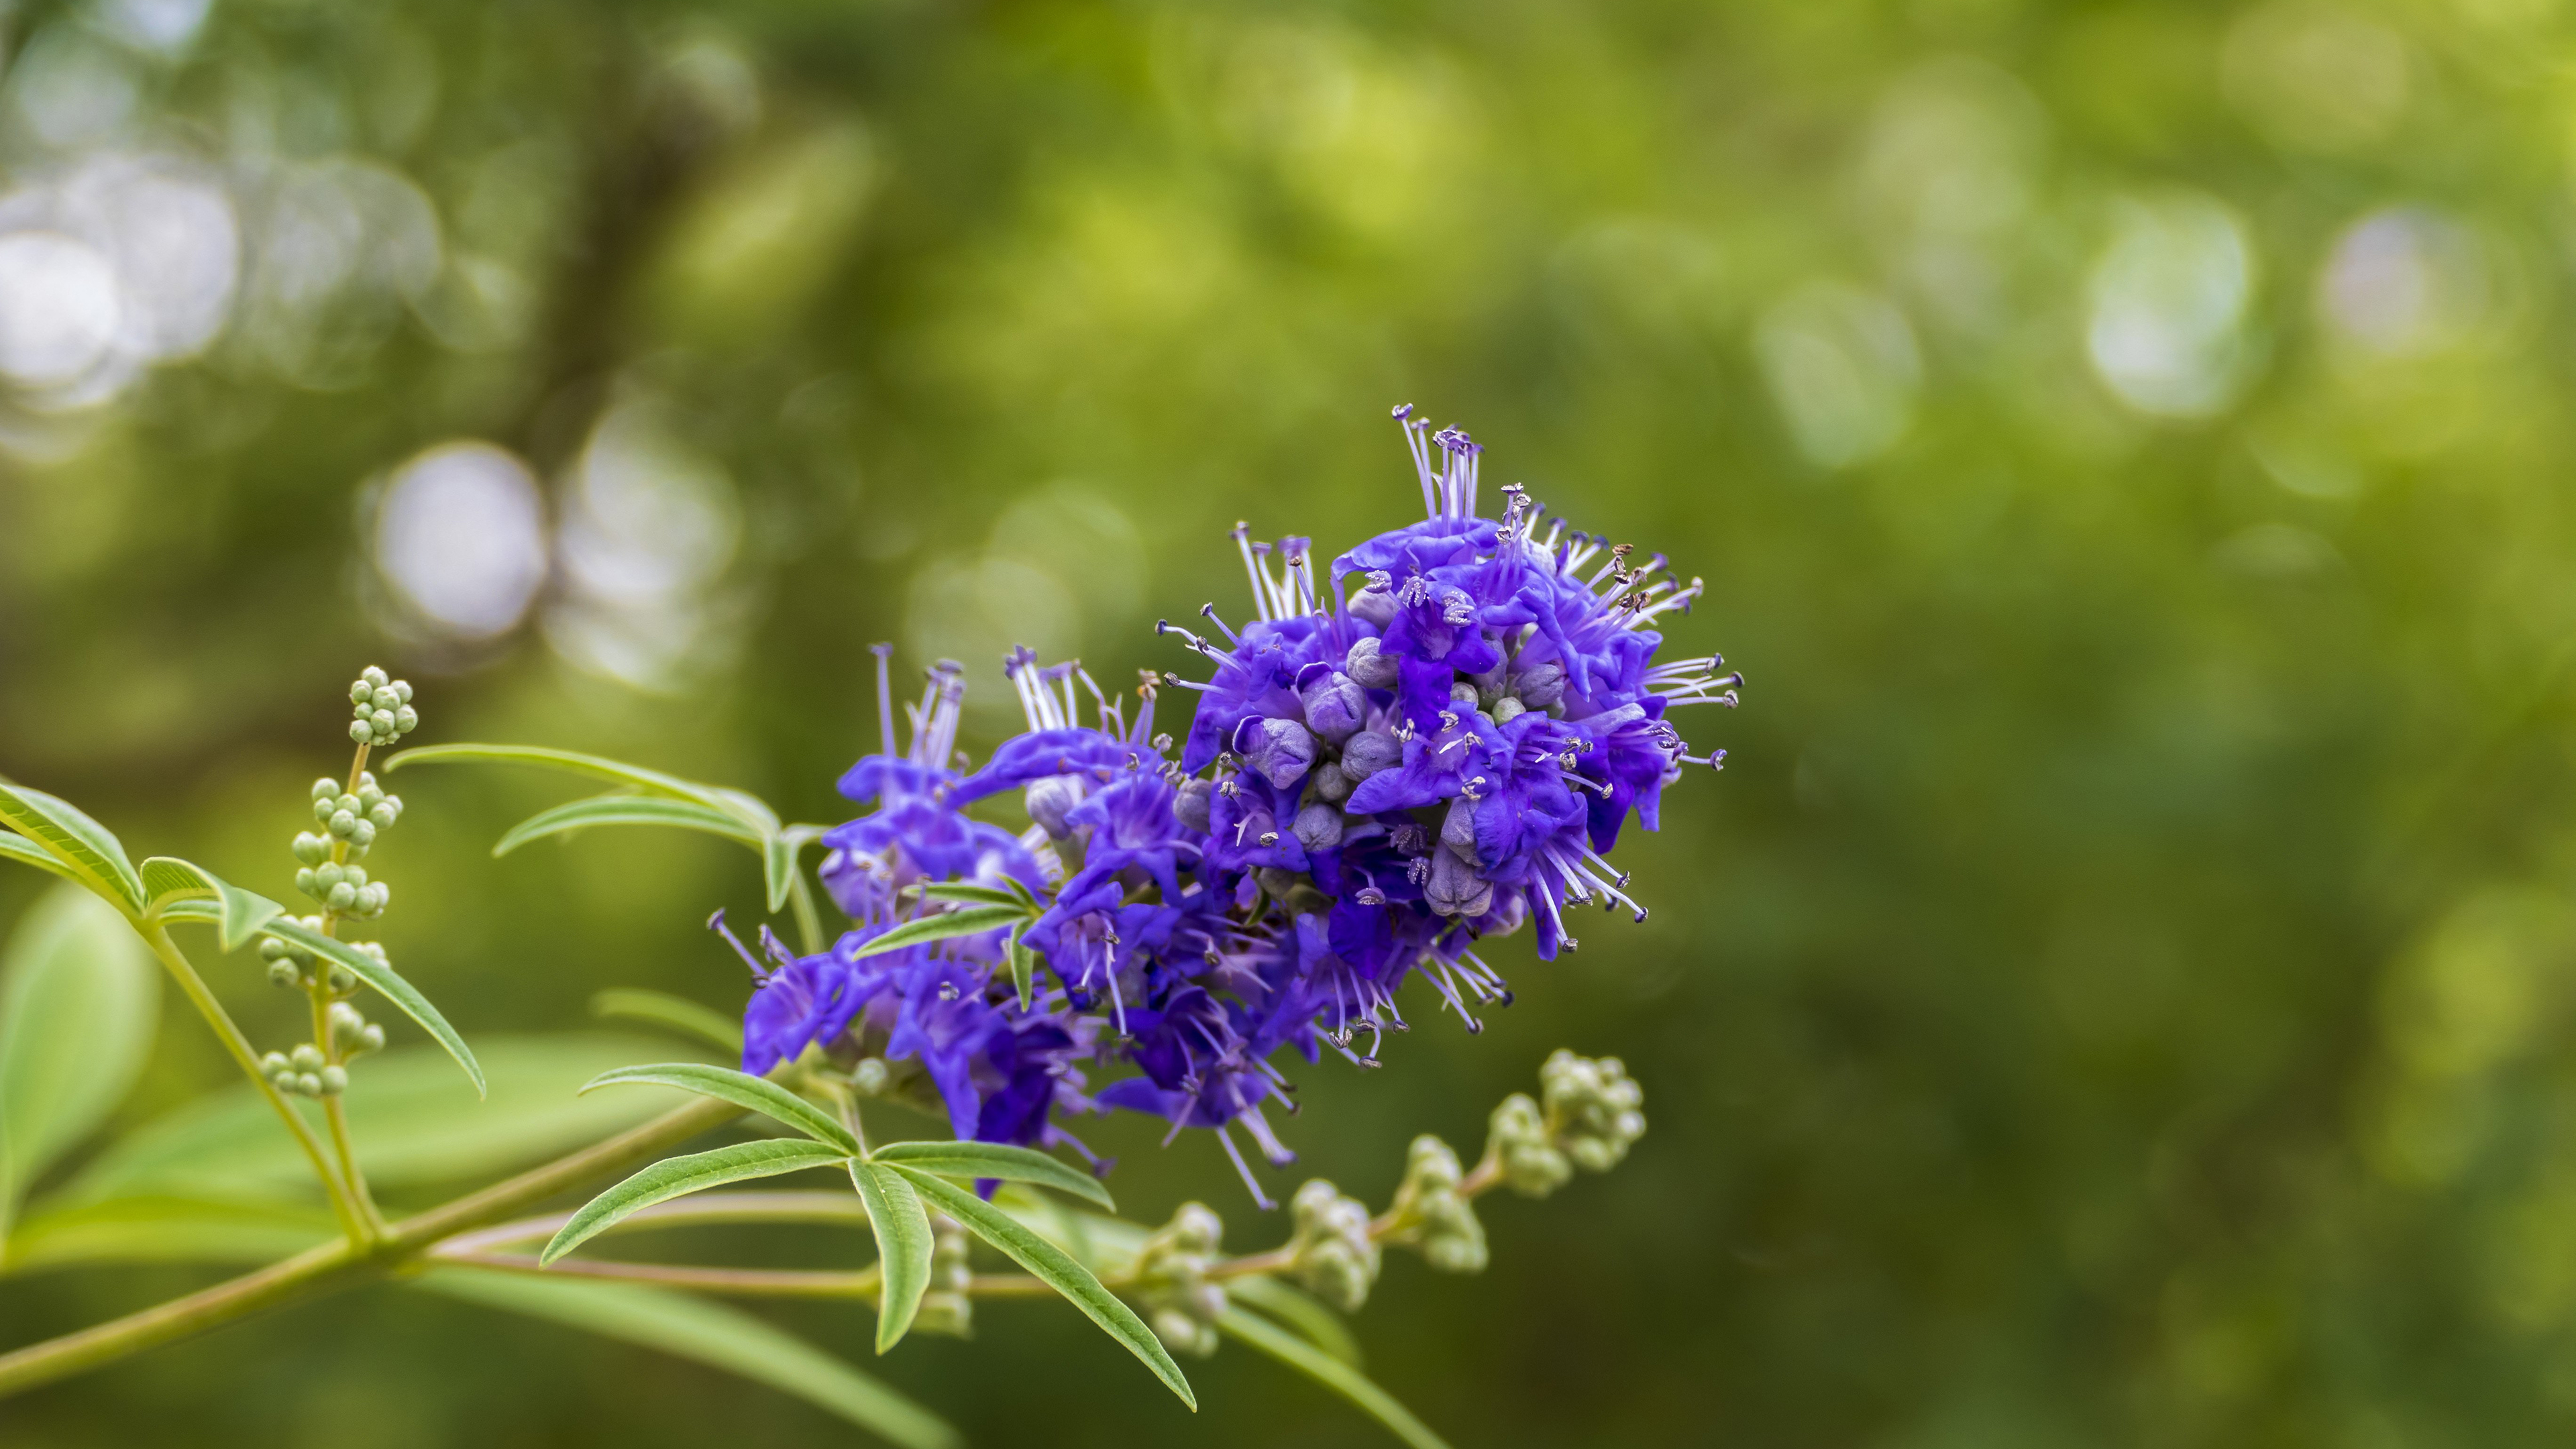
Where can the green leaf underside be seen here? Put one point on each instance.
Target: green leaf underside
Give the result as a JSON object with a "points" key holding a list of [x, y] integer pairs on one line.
{"points": [[79, 996], [163, 1230], [624, 810], [1024, 969], [1299, 1310], [239, 914], [1332, 1373], [389, 985], [707, 1332], [748, 809], [755, 1094], [77, 841], [903, 1235], [1058, 1271], [411, 1125], [973, 920], [960, 891], [679, 1176], [27, 852], [976, 1160], [677, 1013], [778, 867]]}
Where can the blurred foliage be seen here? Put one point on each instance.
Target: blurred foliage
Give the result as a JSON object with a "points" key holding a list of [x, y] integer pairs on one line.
{"points": [[2120, 990]]}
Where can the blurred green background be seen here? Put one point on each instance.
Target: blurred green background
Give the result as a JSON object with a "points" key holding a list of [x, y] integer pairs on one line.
{"points": [[2119, 991]]}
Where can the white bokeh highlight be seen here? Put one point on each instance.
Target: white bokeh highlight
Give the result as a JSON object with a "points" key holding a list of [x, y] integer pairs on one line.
{"points": [[2167, 299], [1843, 367], [461, 537]]}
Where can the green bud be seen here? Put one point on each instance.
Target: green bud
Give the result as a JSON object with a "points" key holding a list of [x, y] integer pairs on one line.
{"points": [[342, 823], [284, 973], [373, 1038], [381, 815], [870, 1076], [345, 1019], [309, 881], [1594, 1110], [308, 1084], [1430, 1215], [343, 979], [271, 948], [360, 691], [374, 677], [272, 1063], [1519, 1140], [322, 808], [335, 1080], [362, 833], [359, 732], [402, 689], [307, 1057], [370, 794], [342, 896], [385, 699], [310, 848], [1331, 1250], [382, 719], [406, 719]]}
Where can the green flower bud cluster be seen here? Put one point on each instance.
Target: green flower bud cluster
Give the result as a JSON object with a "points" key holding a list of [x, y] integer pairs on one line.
{"points": [[945, 1306], [382, 707], [1172, 1283], [1593, 1109], [1593, 1114], [352, 1033], [292, 966], [304, 1073], [1331, 1251], [1431, 1214], [351, 818]]}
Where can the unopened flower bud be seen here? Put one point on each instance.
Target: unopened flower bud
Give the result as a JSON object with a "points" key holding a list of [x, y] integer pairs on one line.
{"points": [[335, 1080], [308, 1084], [359, 732], [361, 691], [1432, 1216], [1509, 708], [343, 824], [310, 848], [343, 979], [1331, 1249], [362, 833], [1281, 750], [272, 1063], [1541, 685], [374, 676], [1369, 668], [1330, 784], [1594, 1110], [1318, 826], [1334, 703], [373, 1038], [1518, 1140], [382, 815], [1368, 752], [306, 1057], [406, 719], [1191, 802]]}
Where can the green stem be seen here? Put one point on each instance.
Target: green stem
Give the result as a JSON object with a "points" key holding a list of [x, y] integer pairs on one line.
{"points": [[335, 1266], [352, 1222], [332, 1111], [739, 1282]]}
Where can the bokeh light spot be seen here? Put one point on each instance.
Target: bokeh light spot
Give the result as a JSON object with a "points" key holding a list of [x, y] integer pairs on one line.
{"points": [[461, 536]]}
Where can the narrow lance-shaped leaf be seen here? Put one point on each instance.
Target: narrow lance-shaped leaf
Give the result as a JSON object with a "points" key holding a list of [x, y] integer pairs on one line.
{"points": [[82, 844], [79, 996], [778, 869], [1051, 1266], [624, 810], [27, 852], [755, 1094], [748, 809], [387, 984], [679, 1176], [716, 1334], [971, 921], [904, 1242], [958, 890], [1332, 1373], [1299, 1310], [674, 1012], [238, 913], [1024, 967], [978, 1160]]}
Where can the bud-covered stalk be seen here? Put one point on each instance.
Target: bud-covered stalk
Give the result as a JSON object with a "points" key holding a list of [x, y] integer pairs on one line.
{"points": [[1332, 1252], [1172, 1283], [1431, 1214]]}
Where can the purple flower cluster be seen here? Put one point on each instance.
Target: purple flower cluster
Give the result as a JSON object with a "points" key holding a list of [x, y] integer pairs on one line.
{"points": [[1446, 751]]}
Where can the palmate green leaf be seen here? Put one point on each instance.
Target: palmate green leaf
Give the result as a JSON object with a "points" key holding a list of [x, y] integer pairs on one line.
{"points": [[904, 1241], [971, 921], [624, 810], [756, 1094], [677, 1013], [412, 1127], [238, 913], [389, 985], [163, 1230], [1299, 1310], [715, 1334], [1053, 1267], [977, 1160], [748, 809], [1332, 1373], [79, 997], [81, 844], [679, 1176], [27, 852]]}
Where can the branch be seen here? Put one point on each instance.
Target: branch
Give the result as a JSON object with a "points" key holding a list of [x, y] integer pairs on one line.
{"points": [[739, 1282]]}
